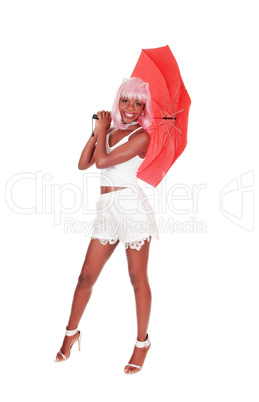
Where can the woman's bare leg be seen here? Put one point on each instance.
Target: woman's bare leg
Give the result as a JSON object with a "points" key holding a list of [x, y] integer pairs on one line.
{"points": [[96, 256], [138, 264]]}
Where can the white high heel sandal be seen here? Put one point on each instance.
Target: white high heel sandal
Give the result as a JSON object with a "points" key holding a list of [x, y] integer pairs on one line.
{"points": [[70, 333], [145, 344]]}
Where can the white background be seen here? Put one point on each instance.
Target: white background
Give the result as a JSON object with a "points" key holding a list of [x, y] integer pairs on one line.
{"points": [[61, 61]]}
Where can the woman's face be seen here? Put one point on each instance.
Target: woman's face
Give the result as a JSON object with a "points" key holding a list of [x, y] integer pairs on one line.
{"points": [[130, 109]]}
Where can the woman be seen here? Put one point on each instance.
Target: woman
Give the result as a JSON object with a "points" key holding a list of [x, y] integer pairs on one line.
{"points": [[123, 212]]}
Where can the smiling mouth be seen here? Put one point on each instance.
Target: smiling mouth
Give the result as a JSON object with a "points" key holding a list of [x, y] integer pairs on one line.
{"points": [[129, 115]]}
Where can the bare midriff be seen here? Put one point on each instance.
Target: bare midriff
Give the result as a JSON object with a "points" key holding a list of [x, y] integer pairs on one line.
{"points": [[108, 189]]}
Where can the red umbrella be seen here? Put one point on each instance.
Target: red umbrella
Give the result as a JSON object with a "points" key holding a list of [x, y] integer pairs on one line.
{"points": [[170, 108]]}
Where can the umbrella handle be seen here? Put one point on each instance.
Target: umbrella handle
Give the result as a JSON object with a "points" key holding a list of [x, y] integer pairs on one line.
{"points": [[94, 116]]}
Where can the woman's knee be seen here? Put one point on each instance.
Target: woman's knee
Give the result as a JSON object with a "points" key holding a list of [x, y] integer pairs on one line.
{"points": [[137, 280], [86, 279]]}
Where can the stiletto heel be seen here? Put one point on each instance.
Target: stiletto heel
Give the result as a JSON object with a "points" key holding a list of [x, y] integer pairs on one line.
{"points": [[79, 341], [145, 344], [70, 333]]}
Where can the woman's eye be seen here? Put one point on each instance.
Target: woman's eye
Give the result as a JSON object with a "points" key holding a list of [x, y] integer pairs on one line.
{"points": [[138, 104], [125, 100]]}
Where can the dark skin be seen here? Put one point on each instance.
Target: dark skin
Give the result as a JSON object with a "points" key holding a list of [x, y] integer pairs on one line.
{"points": [[97, 254], [95, 152]]}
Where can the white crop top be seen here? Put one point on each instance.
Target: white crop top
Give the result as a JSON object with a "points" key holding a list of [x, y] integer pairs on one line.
{"points": [[124, 173]]}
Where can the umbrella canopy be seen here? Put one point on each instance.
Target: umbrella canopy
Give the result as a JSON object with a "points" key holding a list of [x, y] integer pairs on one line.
{"points": [[170, 108]]}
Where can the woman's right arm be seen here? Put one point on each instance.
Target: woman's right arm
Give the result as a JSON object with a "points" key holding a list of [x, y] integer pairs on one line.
{"points": [[87, 158]]}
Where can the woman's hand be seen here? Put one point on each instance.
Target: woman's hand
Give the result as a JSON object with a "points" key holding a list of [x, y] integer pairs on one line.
{"points": [[103, 123]]}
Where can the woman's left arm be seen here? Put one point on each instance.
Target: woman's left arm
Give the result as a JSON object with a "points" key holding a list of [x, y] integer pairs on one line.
{"points": [[133, 147], [123, 153]]}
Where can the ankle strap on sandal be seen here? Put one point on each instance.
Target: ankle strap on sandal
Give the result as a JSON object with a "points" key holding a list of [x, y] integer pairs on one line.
{"points": [[144, 344], [71, 332]]}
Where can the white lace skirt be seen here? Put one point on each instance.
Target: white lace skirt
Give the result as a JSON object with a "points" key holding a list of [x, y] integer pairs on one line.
{"points": [[124, 215]]}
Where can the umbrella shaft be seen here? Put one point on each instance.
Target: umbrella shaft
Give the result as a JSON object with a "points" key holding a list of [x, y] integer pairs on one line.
{"points": [[165, 118]]}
